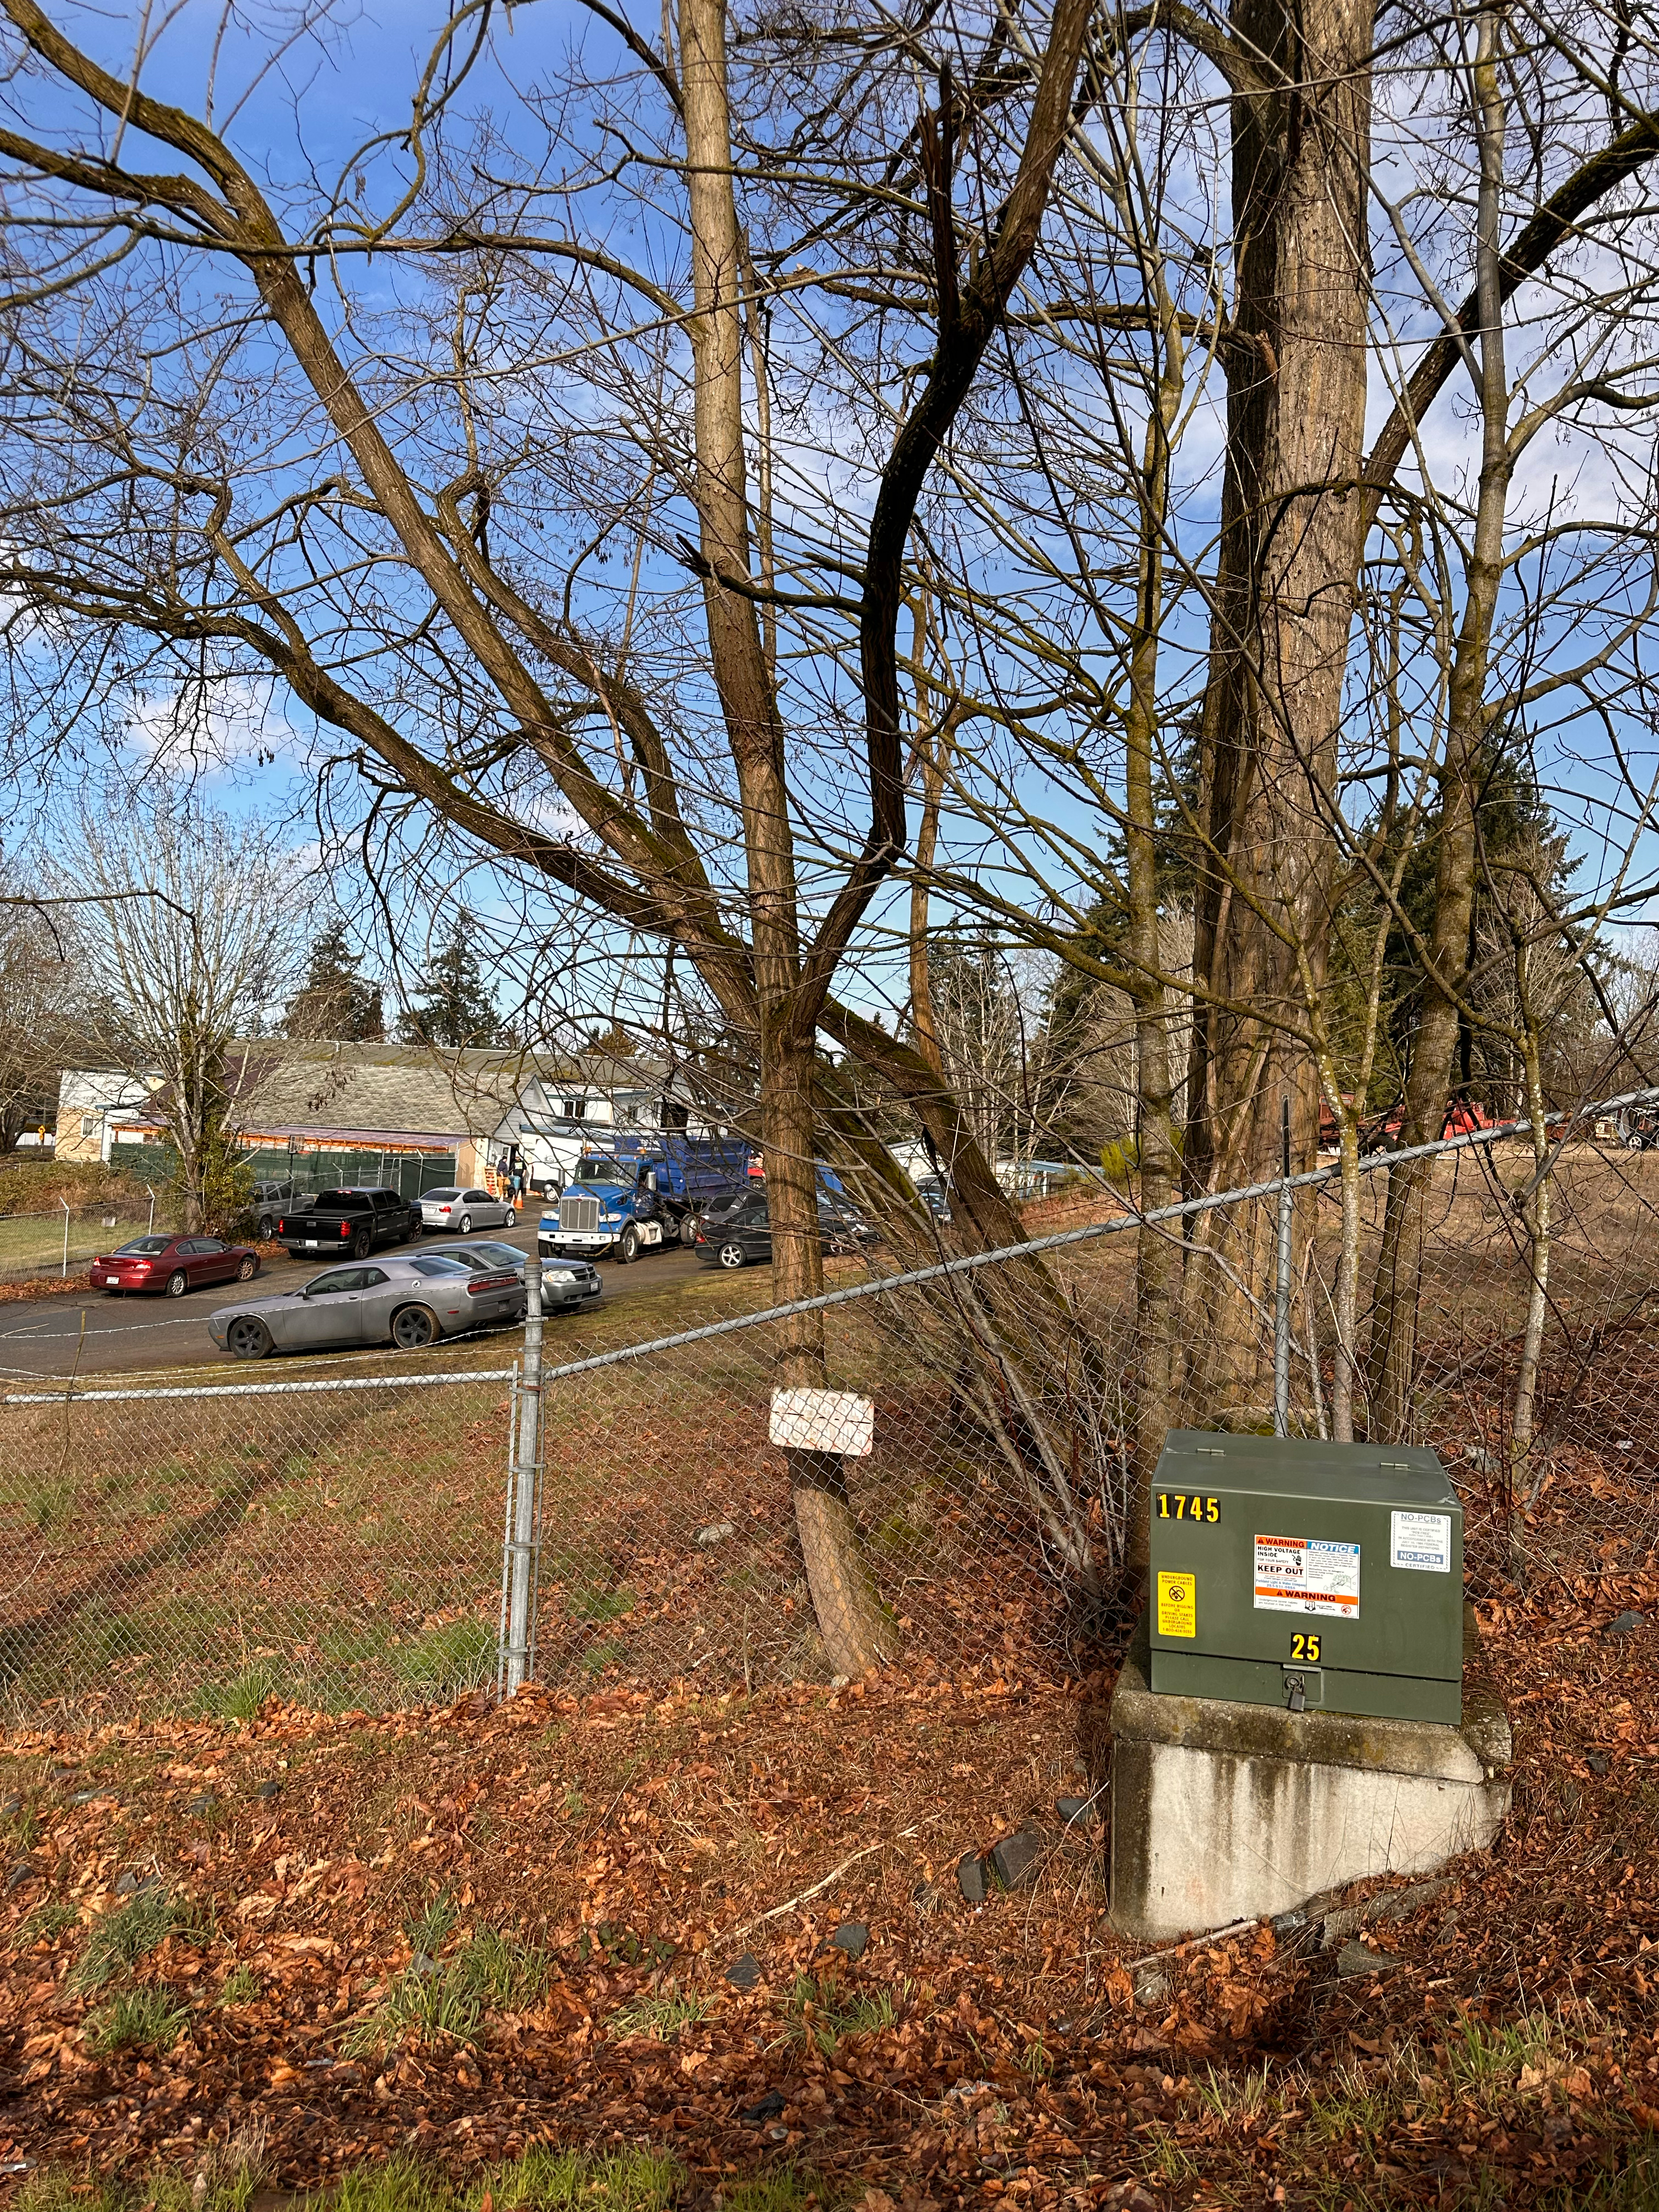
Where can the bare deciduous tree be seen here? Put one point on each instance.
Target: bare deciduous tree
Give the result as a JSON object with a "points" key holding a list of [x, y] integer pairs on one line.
{"points": [[186, 944]]}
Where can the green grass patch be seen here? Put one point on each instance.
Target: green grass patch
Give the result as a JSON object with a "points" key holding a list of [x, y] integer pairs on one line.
{"points": [[131, 1932], [659, 2017], [1484, 2061], [240, 1699], [449, 2000], [49, 1920], [146, 2019], [44, 1504], [592, 1604], [818, 2009], [240, 1986], [790, 2189], [632, 2179], [455, 1657], [545, 2180]]}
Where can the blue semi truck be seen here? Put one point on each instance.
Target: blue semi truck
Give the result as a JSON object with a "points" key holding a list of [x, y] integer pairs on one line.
{"points": [[642, 1193]]}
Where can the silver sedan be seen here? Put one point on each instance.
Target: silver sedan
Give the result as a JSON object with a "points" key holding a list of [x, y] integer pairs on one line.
{"points": [[454, 1208], [563, 1283], [408, 1302]]}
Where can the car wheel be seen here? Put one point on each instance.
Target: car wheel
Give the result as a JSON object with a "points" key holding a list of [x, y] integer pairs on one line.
{"points": [[248, 1339], [178, 1283], [1635, 1142], [466, 1224], [361, 1244], [266, 1227], [509, 1219], [413, 1327], [732, 1255], [248, 1270], [689, 1230], [628, 1245]]}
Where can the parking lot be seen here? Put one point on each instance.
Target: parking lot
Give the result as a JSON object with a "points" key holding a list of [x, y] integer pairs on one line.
{"points": [[92, 1334]]}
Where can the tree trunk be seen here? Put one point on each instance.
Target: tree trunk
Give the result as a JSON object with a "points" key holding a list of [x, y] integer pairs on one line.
{"points": [[1393, 1357], [1535, 1212], [843, 1595], [1292, 535], [1157, 1269]]}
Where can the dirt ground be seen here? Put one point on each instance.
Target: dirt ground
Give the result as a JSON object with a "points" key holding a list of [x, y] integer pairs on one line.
{"points": [[457, 1935]]}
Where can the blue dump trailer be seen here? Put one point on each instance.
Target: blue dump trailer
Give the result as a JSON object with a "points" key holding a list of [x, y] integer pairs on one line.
{"points": [[642, 1193]]}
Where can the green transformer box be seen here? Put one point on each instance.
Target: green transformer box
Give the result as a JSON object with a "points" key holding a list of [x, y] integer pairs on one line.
{"points": [[1285, 1571]]}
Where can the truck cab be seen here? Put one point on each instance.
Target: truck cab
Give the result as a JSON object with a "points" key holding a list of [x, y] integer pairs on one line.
{"points": [[640, 1194], [620, 1205]]}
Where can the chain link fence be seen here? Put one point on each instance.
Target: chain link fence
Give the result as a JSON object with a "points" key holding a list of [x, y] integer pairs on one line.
{"points": [[54, 1243], [199, 1548], [637, 1513]]}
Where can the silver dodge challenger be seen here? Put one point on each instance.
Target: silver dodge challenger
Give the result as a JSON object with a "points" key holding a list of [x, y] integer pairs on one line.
{"points": [[409, 1303]]}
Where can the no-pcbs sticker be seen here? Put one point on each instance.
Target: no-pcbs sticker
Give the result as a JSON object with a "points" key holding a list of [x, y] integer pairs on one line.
{"points": [[1421, 1541]]}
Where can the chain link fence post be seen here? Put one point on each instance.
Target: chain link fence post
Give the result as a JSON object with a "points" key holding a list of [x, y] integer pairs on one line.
{"points": [[520, 1560], [1282, 1287]]}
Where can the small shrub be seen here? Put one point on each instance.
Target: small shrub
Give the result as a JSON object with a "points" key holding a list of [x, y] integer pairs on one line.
{"points": [[146, 2019]]}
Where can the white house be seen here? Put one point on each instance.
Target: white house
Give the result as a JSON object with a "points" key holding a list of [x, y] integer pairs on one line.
{"points": [[93, 1104]]}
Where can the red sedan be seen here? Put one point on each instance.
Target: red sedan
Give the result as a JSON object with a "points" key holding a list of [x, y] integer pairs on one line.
{"points": [[173, 1264]]}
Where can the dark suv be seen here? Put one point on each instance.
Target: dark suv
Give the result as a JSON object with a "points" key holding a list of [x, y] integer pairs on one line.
{"points": [[737, 1230], [355, 1220]]}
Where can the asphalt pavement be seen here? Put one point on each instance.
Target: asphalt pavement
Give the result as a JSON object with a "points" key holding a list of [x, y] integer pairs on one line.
{"points": [[93, 1333]]}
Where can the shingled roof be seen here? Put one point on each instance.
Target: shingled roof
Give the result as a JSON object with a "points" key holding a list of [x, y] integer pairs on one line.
{"points": [[288, 1090], [400, 1093]]}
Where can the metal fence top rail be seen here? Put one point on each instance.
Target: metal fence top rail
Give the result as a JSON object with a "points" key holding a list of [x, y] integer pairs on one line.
{"points": [[260, 1389], [1129, 1218]]}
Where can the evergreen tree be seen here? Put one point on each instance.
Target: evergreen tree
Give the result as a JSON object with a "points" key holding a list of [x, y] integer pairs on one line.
{"points": [[334, 1003], [1516, 825], [454, 1006]]}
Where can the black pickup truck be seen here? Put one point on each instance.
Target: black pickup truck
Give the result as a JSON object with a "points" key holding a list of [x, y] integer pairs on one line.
{"points": [[339, 1222]]}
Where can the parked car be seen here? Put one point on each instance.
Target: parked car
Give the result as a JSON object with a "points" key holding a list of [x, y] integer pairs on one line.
{"points": [[737, 1230], [355, 1220], [172, 1264], [465, 1211], [933, 1195], [564, 1282], [1462, 1118], [271, 1200], [407, 1302]]}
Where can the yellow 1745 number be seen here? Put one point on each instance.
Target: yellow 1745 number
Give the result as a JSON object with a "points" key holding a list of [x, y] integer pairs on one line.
{"points": [[1174, 1505]]}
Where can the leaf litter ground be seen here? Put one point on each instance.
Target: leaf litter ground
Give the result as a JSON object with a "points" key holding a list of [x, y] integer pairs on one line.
{"points": [[449, 1938]]}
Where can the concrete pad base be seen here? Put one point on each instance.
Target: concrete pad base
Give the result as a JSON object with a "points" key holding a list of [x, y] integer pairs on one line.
{"points": [[1224, 1812]]}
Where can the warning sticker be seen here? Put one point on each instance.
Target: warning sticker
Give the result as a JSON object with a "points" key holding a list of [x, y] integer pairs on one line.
{"points": [[1178, 1605], [1421, 1541], [1306, 1574]]}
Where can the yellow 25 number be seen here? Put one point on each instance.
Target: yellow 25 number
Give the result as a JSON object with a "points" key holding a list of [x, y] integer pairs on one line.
{"points": [[1306, 1648]]}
